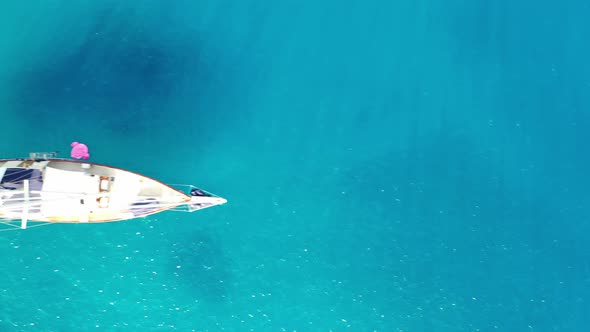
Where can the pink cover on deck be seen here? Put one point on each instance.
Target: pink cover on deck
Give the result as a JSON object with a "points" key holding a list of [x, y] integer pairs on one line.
{"points": [[79, 151]]}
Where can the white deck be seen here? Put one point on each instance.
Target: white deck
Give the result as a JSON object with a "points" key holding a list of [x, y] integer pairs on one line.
{"points": [[84, 192]]}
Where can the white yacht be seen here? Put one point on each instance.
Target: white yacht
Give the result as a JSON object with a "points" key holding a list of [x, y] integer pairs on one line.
{"points": [[47, 189]]}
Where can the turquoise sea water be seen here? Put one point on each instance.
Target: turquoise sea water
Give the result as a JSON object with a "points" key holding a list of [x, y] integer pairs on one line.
{"points": [[389, 165]]}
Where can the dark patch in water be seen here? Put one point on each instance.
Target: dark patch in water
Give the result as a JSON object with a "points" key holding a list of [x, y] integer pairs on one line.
{"points": [[203, 267], [122, 74]]}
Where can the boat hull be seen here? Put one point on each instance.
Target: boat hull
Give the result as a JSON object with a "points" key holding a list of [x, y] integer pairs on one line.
{"points": [[69, 191]]}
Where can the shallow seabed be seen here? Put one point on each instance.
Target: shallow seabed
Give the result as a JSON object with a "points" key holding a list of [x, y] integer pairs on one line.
{"points": [[389, 166]]}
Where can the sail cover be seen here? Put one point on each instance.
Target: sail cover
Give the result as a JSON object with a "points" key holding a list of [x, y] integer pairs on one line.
{"points": [[12, 178]]}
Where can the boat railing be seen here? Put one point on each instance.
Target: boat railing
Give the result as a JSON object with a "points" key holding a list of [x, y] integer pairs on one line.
{"points": [[42, 155], [190, 190]]}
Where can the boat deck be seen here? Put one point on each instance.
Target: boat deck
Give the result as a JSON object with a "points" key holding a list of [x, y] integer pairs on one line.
{"points": [[74, 191]]}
